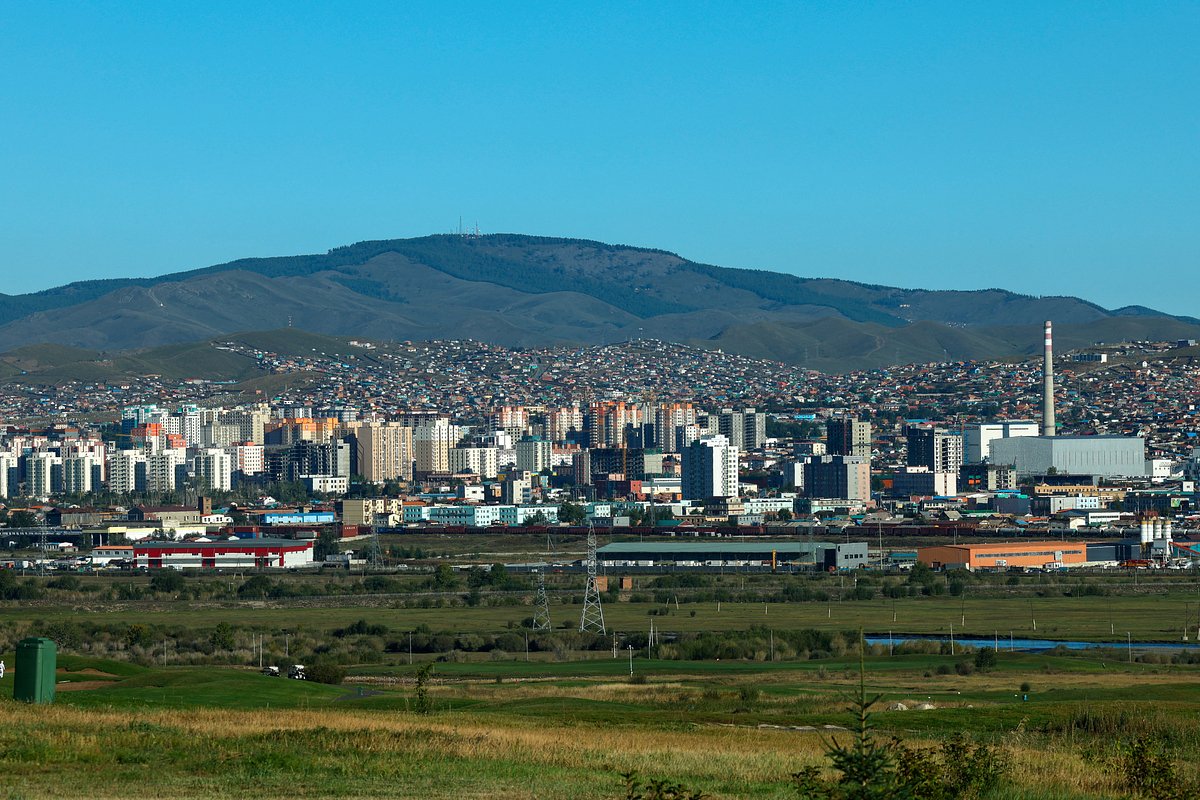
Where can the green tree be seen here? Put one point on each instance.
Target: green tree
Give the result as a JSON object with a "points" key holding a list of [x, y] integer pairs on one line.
{"points": [[572, 513], [22, 519], [327, 544], [258, 586], [137, 634], [444, 579], [168, 581], [985, 659], [221, 637]]}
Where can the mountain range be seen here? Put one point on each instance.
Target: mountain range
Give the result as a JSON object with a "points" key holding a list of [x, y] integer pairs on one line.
{"points": [[526, 291]]}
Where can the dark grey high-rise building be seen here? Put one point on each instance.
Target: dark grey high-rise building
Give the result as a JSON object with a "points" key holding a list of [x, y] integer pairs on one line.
{"points": [[934, 448], [846, 436], [846, 477]]}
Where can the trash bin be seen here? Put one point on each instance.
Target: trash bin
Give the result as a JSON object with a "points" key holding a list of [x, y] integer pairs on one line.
{"points": [[36, 664]]}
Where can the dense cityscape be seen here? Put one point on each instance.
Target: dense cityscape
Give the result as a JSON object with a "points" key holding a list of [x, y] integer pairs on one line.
{"points": [[386, 435]]}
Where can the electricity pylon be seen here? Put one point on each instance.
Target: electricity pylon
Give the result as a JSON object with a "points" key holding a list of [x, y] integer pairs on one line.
{"points": [[541, 606], [374, 551], [592, 618]]}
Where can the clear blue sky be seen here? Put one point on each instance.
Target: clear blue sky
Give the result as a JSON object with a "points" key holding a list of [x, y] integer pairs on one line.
{"points": [[1042, 147]]}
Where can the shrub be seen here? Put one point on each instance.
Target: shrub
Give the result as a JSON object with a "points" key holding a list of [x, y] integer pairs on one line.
{"points": [[421, 702], [654, 789], [326, 672], [985, 659]]}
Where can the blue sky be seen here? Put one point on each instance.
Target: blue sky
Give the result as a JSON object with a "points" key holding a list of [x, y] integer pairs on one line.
{"points": [[1048, 148]]}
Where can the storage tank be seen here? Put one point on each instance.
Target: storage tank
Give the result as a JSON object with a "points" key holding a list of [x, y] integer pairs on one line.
{"points": [[36, 665], [1147, 531]]}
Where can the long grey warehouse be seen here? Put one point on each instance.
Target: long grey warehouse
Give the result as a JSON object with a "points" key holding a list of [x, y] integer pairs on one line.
{"points": [[734, 555]]}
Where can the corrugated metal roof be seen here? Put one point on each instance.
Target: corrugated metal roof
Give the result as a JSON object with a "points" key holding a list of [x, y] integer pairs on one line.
{"points": [[716, 545], [222, 543]]}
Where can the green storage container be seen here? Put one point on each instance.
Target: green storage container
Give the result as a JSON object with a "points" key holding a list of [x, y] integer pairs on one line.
{"points": [[37, 664]]}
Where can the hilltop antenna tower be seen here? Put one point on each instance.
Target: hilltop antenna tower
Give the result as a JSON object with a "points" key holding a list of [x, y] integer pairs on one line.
{"points": [[592, 618], [541, 605]]}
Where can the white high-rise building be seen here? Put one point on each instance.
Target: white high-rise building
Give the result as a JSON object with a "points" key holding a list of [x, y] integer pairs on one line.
{"points": [[79, 473], [482, 461], [710, 468], [432, 440], [8, 474], [214, 469], [39, 474], [251, 420], [248, 458], [561, 421], [161, 469], [123, 467], [384, 450]]}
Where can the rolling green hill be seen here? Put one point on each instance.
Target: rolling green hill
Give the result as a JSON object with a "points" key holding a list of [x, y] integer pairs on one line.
{"points": [[530, 291]]}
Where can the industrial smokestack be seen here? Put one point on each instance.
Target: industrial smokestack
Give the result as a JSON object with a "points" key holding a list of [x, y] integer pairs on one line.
{"points": [[1048, 385]]}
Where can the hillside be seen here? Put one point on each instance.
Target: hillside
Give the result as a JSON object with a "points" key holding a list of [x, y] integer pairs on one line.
{"points": [[527, 291]]}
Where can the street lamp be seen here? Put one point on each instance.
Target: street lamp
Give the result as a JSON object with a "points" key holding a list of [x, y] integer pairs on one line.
{"points": [[630, 660]]}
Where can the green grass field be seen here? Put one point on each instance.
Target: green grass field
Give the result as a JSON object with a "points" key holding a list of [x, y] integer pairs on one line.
{"points": [[516, 729], [1158, 617], [174, 714]]}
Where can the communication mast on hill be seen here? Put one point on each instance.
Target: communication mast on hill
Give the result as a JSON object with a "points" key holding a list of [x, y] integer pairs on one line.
{"points": [[592, 618], [541, 605]]}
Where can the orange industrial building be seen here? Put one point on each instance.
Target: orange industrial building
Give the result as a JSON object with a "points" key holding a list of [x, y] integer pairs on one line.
{"points": [[1003, 555]]}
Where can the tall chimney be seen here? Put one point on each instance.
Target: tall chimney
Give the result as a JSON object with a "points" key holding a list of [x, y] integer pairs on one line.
{"points": [[1048, 385]]}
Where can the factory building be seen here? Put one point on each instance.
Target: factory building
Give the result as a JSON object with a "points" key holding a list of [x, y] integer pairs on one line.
{"points": [[753, 556], [1101, 456], [979, 438], [240, 553]]}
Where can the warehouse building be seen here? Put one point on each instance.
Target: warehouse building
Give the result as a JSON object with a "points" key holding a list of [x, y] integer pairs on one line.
{"points": [[1004, 555], [752, 556], [240, 553]]}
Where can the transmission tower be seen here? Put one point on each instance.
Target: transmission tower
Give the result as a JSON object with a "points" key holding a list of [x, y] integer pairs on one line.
{"points": [[541, 606], [43, 545], [592, 618], [374, 551]]}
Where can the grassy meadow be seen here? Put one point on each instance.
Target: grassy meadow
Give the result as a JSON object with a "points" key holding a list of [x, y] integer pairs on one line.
{"points": [[159, 693], [516, 729]]}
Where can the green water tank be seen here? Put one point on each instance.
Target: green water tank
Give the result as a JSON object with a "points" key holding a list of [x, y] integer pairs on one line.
{"points": [[37, 663]]}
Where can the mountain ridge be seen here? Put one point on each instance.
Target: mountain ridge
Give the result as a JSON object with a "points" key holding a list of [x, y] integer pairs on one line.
{"points": [[523, 290]]}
